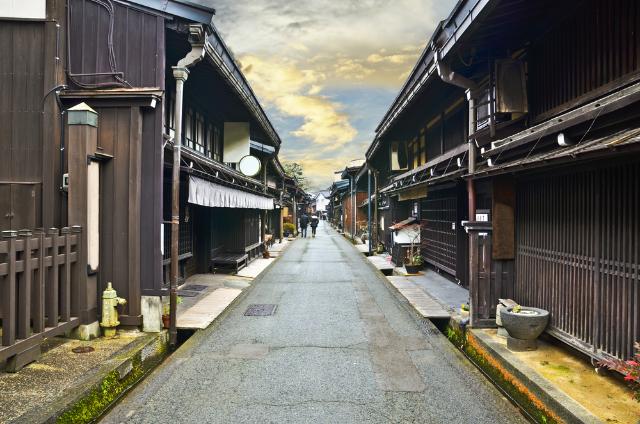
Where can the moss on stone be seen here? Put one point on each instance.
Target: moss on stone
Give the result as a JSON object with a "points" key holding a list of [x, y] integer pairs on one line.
{"points": [[111, 387], [502, 377]]}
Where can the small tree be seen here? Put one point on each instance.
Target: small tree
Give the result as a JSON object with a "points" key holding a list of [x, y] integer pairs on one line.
{"points": [[413, 255], [295, 170]]}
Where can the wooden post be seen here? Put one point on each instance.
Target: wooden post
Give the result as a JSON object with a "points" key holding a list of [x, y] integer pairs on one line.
{"points": [[83, 140], [52, 288], [24, 287], [78, 274], [38, 286], [65, 278], [9, 291]]}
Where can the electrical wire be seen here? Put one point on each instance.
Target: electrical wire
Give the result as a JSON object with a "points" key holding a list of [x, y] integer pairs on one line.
{"points": [[119, 80]]}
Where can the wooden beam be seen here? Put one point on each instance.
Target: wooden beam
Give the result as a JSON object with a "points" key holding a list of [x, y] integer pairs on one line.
{"points": [[605, 105]]}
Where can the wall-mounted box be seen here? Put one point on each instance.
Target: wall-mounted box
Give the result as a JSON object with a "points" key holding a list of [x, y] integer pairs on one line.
{"points": [[21, 9]]}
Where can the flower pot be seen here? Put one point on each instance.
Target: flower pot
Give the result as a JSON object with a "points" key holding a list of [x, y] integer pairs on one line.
{"points": [[412, 269], [524, 327], [166, 321]]}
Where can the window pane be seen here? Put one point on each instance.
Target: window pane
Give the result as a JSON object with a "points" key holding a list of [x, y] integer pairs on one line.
{"points": [[188, 128]]}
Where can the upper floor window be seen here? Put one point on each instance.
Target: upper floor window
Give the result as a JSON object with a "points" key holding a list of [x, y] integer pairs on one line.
{"points": [[198, 140], [188, 129]]}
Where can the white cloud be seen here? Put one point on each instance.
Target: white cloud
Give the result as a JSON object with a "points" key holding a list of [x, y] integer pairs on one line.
{"points": [[293, 53]]}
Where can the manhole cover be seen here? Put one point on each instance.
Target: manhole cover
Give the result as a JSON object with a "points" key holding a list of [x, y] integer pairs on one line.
{"points": [[82, 349], [186, 293], [194, 287], [260, 310]]}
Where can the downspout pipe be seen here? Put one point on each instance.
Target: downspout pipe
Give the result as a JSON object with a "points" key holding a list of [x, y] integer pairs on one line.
{"points": [[448, 76], [197, 38]]}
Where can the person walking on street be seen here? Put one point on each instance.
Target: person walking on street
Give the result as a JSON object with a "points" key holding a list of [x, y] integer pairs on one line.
{"points": [[314, 225], [304, 221]]}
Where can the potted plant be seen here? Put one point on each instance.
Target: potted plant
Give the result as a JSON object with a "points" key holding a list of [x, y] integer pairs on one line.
{"points": [[413, 261], [166, 312], [288, 229], [523, 324]]}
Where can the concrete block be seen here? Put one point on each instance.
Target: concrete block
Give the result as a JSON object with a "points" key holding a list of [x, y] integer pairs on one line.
{"points": [[86, 331], [151, 307]]}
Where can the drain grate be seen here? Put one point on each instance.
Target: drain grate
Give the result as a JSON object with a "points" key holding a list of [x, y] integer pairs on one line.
{"points": [[187, 293], [194, 287], [260, 310]]}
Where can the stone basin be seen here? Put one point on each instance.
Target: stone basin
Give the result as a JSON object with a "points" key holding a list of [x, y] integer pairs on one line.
{"points": [[527, 324]]}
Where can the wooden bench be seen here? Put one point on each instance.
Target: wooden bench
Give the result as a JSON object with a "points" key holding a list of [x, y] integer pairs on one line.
{"points": [[253, 250], [222, 260]]}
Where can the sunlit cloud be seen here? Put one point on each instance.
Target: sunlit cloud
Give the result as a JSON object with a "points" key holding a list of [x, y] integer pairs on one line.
{"points": [[323, 122], [295, 92], [352, 69], [324, 70]]}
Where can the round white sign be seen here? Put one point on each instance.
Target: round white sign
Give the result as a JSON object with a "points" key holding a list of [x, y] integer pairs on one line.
{"points": [[249, 165]]}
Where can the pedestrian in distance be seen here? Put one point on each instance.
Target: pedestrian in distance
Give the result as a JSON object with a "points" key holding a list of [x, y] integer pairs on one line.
{"points": [[314, 225], [304, 222]]}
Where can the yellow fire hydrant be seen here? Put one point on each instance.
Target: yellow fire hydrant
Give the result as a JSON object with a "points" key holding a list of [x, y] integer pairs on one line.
{"points": [[110, 301]]}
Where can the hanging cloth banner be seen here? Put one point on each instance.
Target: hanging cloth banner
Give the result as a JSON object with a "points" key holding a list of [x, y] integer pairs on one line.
{"points": [[206, 193]]}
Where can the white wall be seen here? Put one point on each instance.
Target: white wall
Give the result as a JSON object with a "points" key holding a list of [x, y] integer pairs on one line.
{"points": [[321, 203]]}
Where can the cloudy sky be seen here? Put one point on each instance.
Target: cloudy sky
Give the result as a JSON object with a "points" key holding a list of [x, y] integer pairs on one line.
{"points": [[326, 70]]}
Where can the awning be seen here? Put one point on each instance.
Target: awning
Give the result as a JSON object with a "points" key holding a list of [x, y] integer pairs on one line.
{"points": [[206, 193], [403, 223]]}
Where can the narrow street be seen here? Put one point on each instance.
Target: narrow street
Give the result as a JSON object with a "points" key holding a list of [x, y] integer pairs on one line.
{"points": [[339, 348]]}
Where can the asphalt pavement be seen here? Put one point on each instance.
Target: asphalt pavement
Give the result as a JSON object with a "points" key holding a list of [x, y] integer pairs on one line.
{"points": [[339, 348]]}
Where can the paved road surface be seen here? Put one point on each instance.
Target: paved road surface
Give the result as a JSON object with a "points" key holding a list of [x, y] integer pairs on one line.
{"points": [[339, 349]]}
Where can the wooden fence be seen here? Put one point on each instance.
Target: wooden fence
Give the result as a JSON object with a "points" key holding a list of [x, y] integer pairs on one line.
{"points": [[39, 294]]}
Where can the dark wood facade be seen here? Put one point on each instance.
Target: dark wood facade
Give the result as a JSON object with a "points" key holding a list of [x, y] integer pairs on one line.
{"points": [[553, 112], [578, 237], [116, 57], [443, 240]]}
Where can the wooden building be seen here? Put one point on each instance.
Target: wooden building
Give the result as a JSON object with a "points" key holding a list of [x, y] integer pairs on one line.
{"points": [[547, 95], [335, 213], [419, 158], [119, 57]]}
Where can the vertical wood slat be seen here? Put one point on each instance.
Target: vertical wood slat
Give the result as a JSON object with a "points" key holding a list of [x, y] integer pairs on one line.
{"points": [[580, 233], [38, 284], [65, 278], [24, 287], [9, 291], [52, 288], [596, 45]]}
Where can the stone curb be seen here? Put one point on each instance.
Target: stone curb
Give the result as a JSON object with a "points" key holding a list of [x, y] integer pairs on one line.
{"points": [[566, 408], [90, 398]]}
